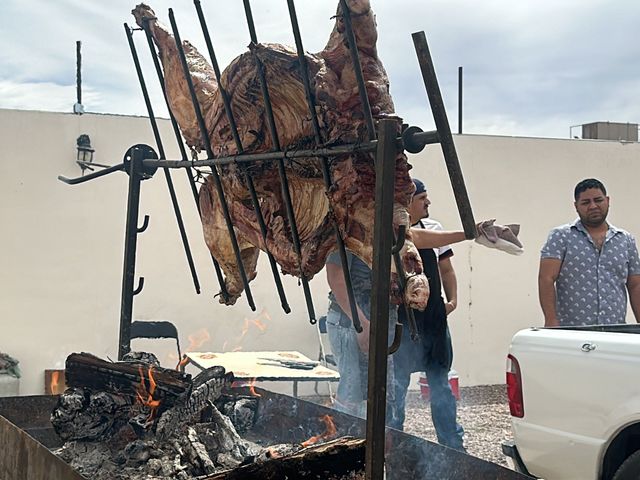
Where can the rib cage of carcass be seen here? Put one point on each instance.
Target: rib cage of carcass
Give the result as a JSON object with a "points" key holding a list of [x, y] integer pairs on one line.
{"points": [[350, 200]]}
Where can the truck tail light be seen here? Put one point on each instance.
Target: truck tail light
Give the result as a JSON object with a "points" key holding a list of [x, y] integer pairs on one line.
{"points": [[514, 387]]}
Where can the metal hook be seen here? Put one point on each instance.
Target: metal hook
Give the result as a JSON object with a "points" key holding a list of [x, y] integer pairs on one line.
{"points": [[402, 231], [140, 286], [91, 176], [397, 339], [145, 224]]}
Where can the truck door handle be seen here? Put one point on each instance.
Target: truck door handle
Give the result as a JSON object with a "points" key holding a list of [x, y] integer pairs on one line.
{"points": [[587, 347]]}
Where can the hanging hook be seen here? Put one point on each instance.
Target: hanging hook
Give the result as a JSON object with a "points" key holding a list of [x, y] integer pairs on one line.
{"points": [[140, 286], [145, 224], [397, 339], [402, 231]]}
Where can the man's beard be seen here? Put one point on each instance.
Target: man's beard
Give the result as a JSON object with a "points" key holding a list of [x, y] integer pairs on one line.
{"points": [[596, 222]]}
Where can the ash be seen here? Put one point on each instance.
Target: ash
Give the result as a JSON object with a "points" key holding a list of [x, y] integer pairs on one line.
{"points": [[111, 435]]}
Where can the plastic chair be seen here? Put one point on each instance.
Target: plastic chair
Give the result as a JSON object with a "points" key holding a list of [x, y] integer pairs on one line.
{"points": [[323, 356], [155, 329]]}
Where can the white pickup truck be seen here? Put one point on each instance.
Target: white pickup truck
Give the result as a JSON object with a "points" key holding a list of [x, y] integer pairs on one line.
{"points": [[574, 397]]}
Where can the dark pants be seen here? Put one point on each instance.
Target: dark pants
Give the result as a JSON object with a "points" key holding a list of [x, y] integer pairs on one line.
{"points": [[442, 400]]}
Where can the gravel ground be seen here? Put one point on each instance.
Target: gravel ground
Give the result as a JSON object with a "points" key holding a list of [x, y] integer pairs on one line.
{"points": [[483, 412]]}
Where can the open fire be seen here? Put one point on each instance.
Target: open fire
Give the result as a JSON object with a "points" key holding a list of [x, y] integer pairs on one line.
{"points": [[137, 420]]}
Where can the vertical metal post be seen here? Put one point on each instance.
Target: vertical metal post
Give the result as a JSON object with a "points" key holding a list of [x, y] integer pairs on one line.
{"points": [[380, 289], [130, 241], [78, 72], [460, 100]]}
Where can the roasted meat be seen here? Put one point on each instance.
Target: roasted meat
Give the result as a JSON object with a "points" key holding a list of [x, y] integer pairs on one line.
{"points": [[350, 200]]}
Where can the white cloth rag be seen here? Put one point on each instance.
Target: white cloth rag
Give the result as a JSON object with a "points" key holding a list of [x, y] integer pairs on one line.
{"points": [[501, 237]]}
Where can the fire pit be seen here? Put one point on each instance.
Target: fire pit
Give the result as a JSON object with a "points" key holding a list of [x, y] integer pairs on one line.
{"points": [[283, 422]]}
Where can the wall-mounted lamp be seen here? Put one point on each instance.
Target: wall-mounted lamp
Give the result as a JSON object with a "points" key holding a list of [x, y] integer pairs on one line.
{"points": [[84, 155]]}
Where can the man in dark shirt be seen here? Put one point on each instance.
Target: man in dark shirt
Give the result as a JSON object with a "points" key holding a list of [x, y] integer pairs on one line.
{"points": [[432, 353]]}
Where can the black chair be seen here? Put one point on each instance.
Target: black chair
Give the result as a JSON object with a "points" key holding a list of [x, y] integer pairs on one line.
{"points": [[155, 329]]}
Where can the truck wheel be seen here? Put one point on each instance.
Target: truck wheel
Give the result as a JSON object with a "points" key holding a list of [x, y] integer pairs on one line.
{"points": [[630, 468]]}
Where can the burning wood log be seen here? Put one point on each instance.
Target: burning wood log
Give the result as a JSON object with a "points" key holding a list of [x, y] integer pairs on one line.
{"points": [[84, 370], [211, 383], [334, 458]]}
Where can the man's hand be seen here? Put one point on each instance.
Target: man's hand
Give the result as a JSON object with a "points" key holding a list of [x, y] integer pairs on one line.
{"points": [[547, 276], [449, 307]]}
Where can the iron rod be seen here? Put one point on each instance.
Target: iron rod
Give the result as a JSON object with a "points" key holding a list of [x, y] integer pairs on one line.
{"points": [[380, 289], [444, 132], [174, 124], [130, 241], [271, 156], [167, 173], [326, 173], [234, 131], [460, 100], [395, 251], [79, 72], [284, 182], [214, 171], [183, 153], [357, 67], [91, 176]]}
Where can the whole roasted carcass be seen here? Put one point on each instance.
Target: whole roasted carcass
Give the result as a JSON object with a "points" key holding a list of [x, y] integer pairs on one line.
{"points": [[350, 200]]}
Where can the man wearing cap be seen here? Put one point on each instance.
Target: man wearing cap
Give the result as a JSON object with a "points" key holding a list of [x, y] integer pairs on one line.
{"points": [[432, 352]]}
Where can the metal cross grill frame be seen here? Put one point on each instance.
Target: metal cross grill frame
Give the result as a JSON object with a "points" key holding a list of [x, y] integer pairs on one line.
{"points": [[141, 162]]}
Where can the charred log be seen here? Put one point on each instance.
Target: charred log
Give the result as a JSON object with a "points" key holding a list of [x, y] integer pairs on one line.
{"points": [[84, 370], [214, 381], [335, 458]]}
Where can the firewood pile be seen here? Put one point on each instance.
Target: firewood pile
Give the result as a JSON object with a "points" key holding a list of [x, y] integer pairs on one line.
{"points": [[136, 420]]}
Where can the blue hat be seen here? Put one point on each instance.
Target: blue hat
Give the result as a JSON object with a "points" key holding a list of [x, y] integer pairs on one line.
{"points": [[420, 187]]}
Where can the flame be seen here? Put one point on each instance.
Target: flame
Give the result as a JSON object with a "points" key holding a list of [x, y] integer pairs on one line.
{"points": [[54, 382], [252, 388], [329, 432], [257, 322], [197, 339], [261, 326], [145, 397], [245, 329]]}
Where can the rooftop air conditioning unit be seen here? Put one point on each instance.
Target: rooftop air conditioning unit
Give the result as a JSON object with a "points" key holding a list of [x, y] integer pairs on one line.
{"points": [[611, 131]]}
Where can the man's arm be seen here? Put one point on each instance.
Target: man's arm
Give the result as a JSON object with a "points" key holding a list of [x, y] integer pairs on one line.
{"points": [[423, 238], [547, 276], [633, 286], [335, 277], [449, 284]]}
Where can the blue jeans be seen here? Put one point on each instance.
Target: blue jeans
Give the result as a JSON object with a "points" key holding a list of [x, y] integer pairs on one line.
{"points": [[351, 396], [442, 400]]}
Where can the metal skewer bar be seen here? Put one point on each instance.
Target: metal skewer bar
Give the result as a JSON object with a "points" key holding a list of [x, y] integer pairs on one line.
{"points": [[247, 176], [284, 183], [183, 153], [214, 171], [167, 173], [326, 174], [444, 134]]}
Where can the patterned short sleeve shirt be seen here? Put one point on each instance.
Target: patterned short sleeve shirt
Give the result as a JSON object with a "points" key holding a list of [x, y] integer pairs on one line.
{"points": [[591, 285]]}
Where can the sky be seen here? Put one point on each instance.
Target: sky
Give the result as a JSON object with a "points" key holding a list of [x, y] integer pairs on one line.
{"points": [[531, 68]]}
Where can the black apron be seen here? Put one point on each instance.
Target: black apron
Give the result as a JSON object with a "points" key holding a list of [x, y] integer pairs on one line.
{"points": [[431, 324]]}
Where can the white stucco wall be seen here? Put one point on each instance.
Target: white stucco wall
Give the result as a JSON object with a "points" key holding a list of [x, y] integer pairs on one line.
{"points": [[62, 246]]}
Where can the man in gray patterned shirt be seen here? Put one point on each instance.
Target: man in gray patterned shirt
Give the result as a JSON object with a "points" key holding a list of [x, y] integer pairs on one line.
{"points": [[586, 267]]}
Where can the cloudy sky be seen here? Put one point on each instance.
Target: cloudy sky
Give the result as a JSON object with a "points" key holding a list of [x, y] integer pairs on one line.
{"points": [[531, 68]]}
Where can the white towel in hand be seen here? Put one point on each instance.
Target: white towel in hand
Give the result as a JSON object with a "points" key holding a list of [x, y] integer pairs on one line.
{"points": [[502, 237]]}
